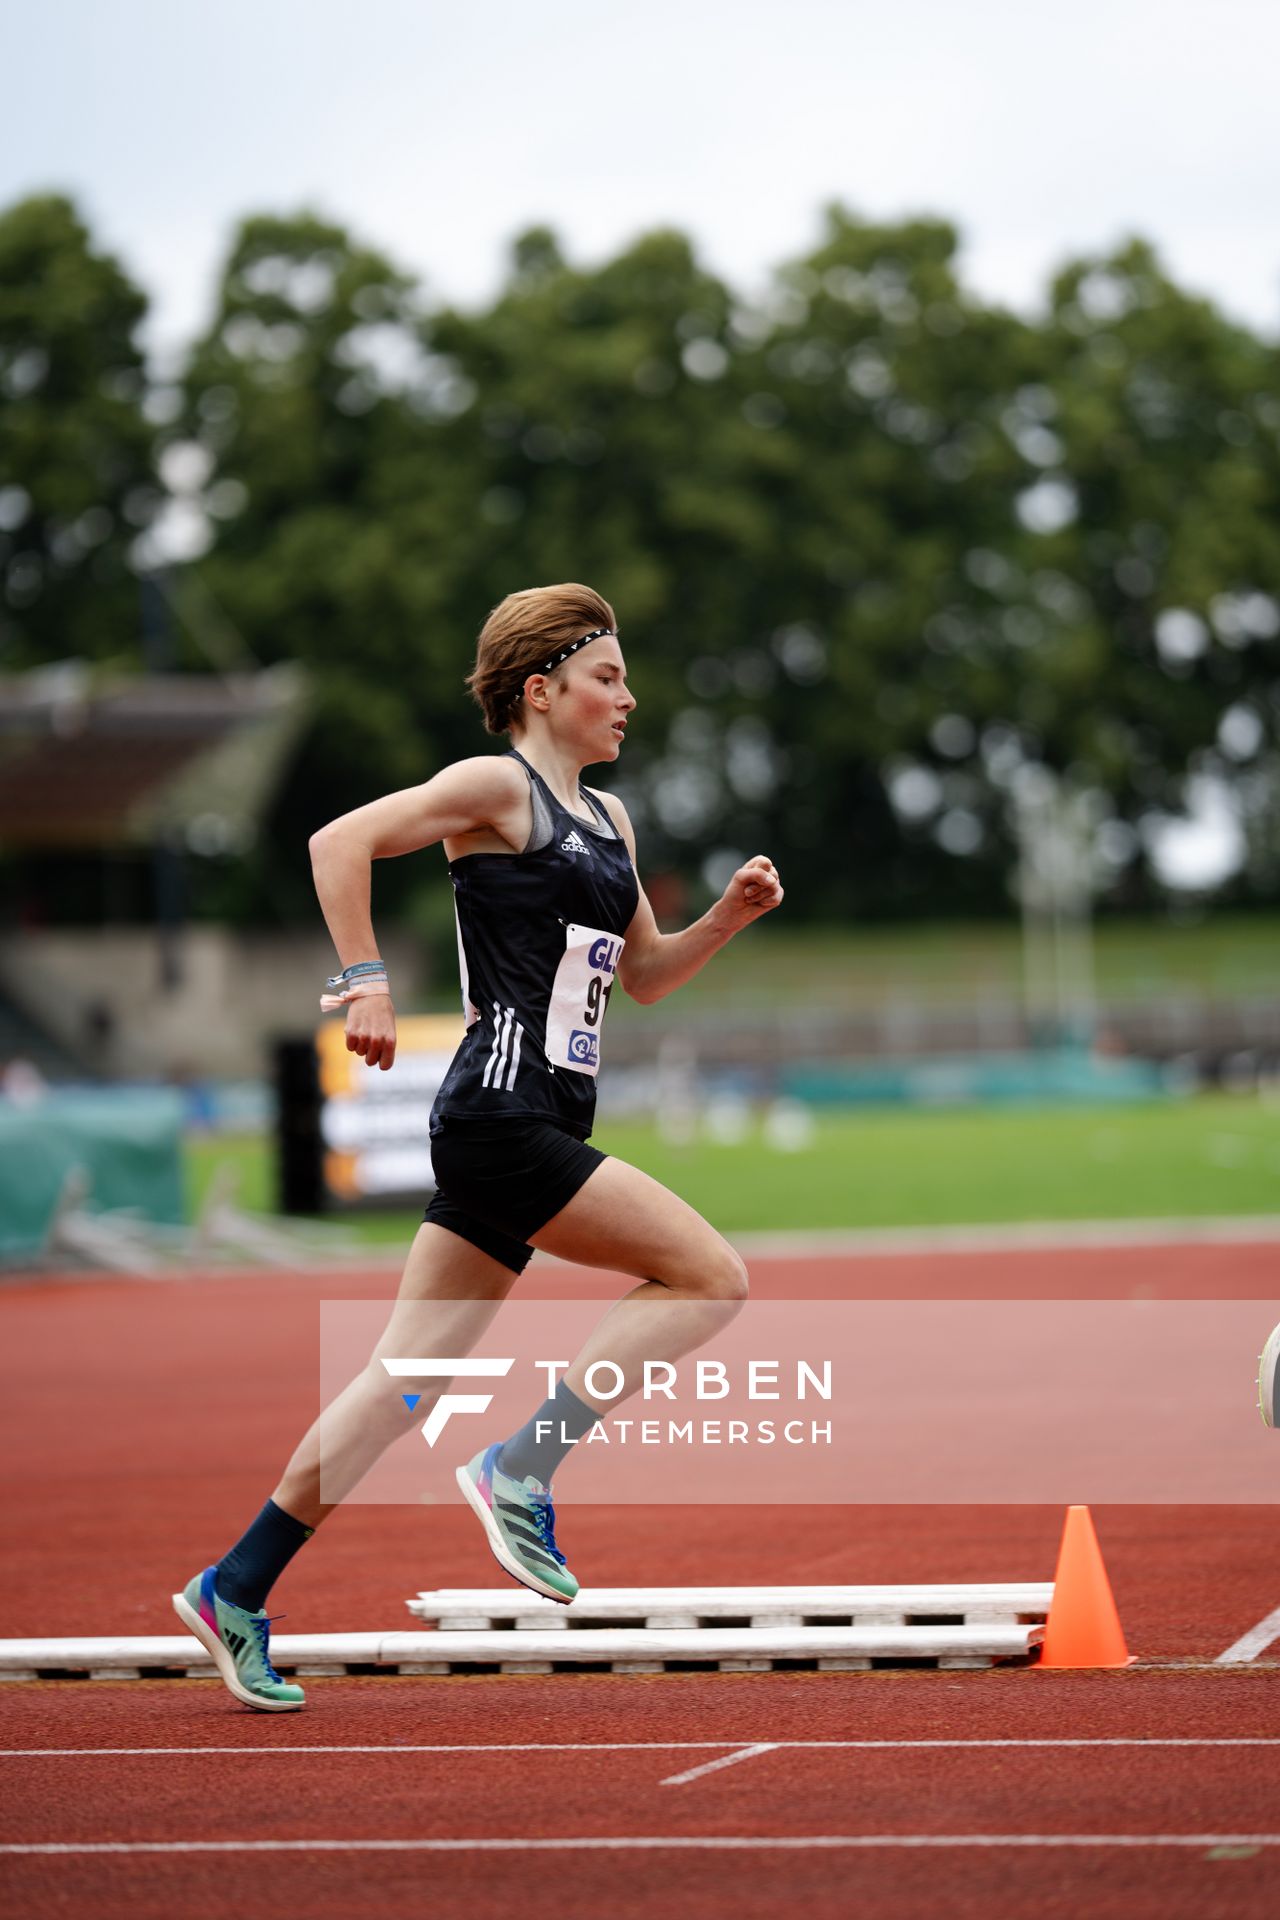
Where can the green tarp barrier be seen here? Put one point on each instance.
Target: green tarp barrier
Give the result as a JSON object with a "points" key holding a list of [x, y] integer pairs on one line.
{"points": [[127, 1140], [1059, 1076]]}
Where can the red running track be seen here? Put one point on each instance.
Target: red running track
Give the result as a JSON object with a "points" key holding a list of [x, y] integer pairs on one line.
{"points": [[1187, 1830], [143, 1422]]}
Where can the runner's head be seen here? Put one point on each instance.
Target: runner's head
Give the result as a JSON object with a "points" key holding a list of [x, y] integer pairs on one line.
{"points": [[541, 635]]}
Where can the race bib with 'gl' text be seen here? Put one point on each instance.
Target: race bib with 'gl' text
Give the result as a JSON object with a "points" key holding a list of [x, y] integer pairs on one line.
{"points": [[579, 996]]}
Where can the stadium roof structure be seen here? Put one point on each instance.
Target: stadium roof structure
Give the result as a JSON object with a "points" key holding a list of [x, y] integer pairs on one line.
{"points": [[95, 759]]}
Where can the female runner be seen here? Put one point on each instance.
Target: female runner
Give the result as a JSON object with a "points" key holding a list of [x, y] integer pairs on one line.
{"points": [[549, 909]]}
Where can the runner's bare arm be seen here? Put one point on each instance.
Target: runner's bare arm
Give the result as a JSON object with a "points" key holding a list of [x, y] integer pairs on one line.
{"points": [[483, 792], [476, 794], [653, 963]]}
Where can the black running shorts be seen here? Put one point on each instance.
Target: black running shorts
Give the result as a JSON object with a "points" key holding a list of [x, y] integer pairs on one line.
{"points": [[498, 1182]]}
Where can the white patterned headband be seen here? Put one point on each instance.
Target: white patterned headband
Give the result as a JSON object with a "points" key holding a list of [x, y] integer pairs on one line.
{"points": [[558, 659]]}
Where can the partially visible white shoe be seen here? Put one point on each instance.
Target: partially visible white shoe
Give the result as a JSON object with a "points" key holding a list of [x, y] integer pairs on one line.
{"points": [[1269, 1381]]}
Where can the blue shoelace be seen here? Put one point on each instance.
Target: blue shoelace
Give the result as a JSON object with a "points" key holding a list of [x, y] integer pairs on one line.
{"points": [[544, 1518], [263, 1630]]}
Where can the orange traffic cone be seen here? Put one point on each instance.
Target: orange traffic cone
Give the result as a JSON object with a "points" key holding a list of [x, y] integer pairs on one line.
{"points": [[1083, 1629]]}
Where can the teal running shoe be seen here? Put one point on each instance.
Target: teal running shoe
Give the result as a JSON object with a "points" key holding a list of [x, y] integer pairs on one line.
{"points": [[237, 1641], [1269, 1380], [520, 1522]]}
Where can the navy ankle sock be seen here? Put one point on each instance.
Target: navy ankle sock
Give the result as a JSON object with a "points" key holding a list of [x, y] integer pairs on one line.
{"points": [[246, 1574], [566, 1419]]}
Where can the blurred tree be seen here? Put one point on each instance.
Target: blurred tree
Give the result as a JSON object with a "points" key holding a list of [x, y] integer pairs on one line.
{"points": [[77, 480], [1141, 588], [556, 435], [606, 446], [772, 496], [303, 407], [879, 551], [884, 382]]}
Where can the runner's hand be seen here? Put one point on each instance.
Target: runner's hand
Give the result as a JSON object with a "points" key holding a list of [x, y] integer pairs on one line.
{"points": [[371, 1029], [754, 889]]}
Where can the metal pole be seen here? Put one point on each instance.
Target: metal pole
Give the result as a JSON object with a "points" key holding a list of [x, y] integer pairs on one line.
{"points": [[168, 877]]}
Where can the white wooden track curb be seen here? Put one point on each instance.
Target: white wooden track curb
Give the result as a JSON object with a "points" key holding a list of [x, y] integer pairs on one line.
{"points": [[628, 1629]]}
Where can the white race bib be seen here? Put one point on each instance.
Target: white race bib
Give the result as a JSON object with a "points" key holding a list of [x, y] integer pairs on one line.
{"points": [[579, 995]]}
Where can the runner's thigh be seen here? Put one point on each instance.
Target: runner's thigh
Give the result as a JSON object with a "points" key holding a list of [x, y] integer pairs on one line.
{"points": [[622, 1218], [448, 1295]]}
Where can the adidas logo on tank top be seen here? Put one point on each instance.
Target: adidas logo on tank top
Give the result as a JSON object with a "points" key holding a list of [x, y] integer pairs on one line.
{"points": [[574, 843]]}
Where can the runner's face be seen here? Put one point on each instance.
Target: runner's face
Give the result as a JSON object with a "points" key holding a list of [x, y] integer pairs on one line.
{"points": [[595, 702]]}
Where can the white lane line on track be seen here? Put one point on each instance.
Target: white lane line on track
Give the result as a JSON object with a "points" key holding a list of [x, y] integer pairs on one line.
{"points": [[715, 1766], [1251, 1644], [608, 1843], [653, 1746], [1048, 1236]]}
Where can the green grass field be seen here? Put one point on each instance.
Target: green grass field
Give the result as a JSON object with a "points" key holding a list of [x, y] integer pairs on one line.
{"points": [[1216, 1154]]}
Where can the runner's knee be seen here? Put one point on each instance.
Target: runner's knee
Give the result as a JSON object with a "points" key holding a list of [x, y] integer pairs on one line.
{"points": [[726, 1277]]}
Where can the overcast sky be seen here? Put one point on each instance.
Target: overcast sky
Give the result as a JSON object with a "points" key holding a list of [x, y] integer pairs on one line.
{"points": [[437, 132]]}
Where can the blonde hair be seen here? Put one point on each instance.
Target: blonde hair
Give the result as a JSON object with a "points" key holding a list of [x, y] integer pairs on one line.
{"points": [[521, 635]]}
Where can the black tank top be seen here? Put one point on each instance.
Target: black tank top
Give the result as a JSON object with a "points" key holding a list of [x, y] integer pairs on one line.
{"points": [[539, 937]]}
